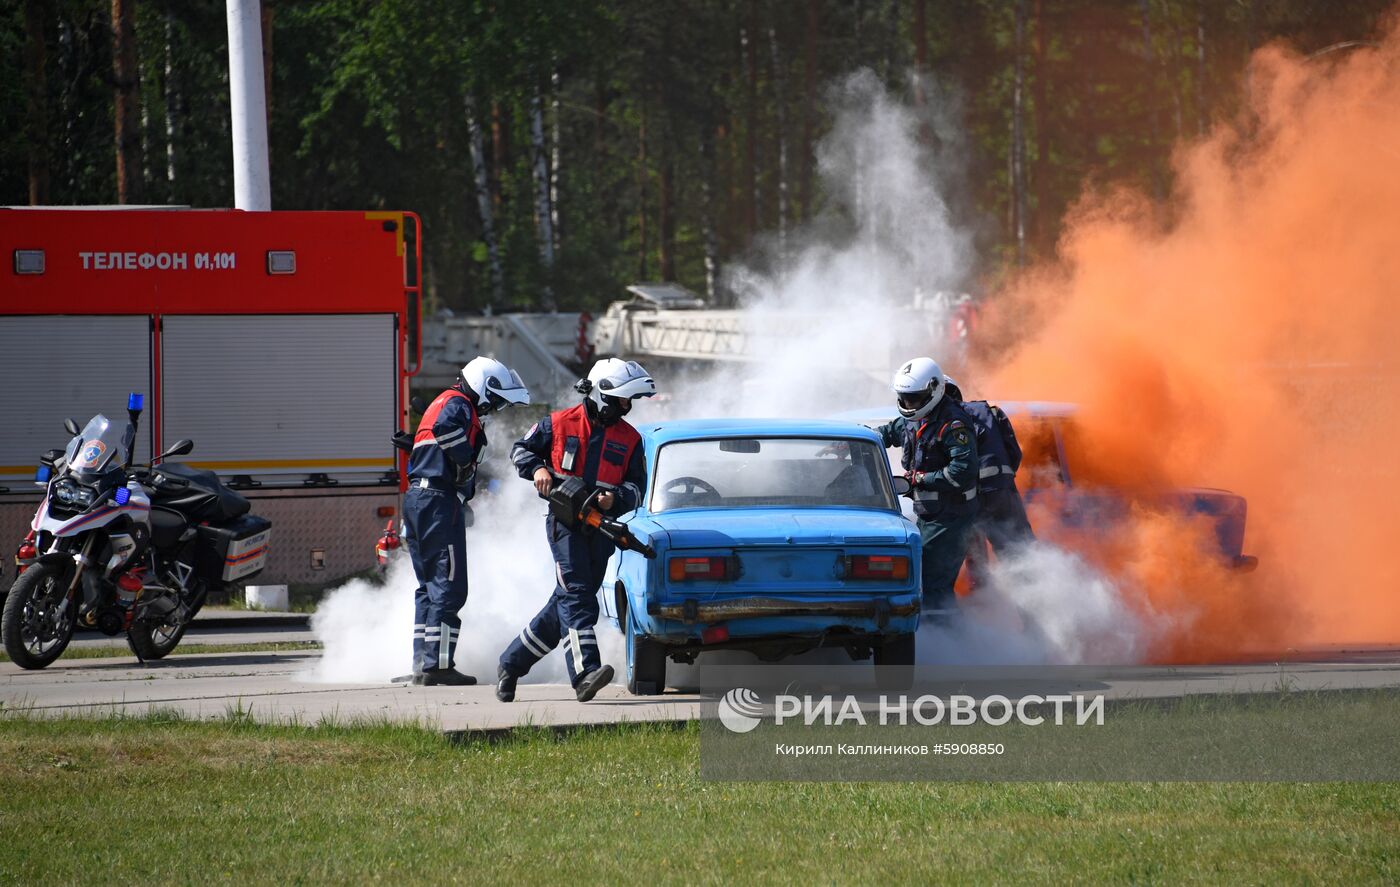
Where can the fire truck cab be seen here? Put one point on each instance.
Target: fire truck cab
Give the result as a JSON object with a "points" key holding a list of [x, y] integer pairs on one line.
{"points": [[282, 343]]}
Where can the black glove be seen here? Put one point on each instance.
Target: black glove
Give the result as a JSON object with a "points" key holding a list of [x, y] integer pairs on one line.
{"points": [[463, 474]]}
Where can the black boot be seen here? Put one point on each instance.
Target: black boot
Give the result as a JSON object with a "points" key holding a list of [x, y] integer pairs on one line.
{"points": [[443, 677], [505, 685], [592, 682]]}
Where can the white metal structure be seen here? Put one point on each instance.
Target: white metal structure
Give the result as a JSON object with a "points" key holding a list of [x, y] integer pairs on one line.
{"points": [[661, 322], [538, 346]]}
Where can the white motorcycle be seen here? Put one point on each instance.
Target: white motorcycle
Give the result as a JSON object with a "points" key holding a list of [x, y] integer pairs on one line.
{"points": [[124, 548]]}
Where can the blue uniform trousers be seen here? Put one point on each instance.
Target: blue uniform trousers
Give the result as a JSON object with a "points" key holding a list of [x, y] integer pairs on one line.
{"points": [[436, 532], [945, 540], [1002, 519], [570, 614]]}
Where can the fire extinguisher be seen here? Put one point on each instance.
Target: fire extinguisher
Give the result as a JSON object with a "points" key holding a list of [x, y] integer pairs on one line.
{"points": [[387, 545], [25, 555]]}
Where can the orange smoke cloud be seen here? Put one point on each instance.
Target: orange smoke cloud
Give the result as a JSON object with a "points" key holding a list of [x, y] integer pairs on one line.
{"points": [[1242, 337]]}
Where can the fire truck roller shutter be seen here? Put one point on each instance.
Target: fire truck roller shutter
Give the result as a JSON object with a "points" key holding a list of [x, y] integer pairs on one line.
{"points": [[67, 367], [280, 397]]}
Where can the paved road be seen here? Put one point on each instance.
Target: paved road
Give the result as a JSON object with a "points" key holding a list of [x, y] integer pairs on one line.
{"points": [[217, 635], [274, 687], [270, 687]]}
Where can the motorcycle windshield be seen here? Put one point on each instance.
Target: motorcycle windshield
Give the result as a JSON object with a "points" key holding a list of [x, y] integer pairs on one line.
{"points": [[98, 447]]}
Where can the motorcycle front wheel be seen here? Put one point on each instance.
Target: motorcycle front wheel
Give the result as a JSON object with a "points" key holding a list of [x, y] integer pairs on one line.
{"points": [[36, 626]]}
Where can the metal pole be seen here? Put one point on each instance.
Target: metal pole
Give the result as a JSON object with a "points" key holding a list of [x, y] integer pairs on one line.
{"points": [[251, 188]]}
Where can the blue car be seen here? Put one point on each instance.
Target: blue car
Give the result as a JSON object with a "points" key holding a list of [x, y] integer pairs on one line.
{"points": [[771, 536]]}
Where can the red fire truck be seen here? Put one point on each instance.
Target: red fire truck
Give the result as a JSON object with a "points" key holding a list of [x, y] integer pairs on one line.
{"points": [[282, 343]]}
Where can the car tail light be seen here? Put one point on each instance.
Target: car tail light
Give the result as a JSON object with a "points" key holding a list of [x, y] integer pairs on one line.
{"points": [[877, 566], [715, 634], [701, 569]]}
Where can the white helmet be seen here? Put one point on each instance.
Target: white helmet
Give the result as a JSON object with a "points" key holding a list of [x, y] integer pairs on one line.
{"points": [[951, 388], [495, 385], [918, 387], [612, 385]]}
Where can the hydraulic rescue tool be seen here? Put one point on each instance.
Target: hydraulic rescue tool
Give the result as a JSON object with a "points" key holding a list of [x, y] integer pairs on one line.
{"points": [[576, 508]]}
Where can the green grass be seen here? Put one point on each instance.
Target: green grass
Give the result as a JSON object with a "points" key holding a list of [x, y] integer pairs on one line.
{"points": [[115, 652], [159, 799]]}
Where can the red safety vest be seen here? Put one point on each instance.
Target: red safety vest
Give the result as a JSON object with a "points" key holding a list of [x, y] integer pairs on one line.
{"points": [[619, 441], [425, 427]]}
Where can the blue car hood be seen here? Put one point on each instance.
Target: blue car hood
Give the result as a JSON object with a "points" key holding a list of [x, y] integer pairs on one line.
{"points": [[722, 527]]}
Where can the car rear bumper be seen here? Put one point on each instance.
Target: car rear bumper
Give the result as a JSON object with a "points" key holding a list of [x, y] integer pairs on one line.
{"points": [[690, 612]]}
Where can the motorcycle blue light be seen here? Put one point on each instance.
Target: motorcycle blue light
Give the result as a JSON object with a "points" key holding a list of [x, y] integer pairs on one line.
{"points": [[42, 474], [122, 495], [135, 401]]}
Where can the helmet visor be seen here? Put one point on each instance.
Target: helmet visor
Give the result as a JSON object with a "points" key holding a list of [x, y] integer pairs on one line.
{"points": [[508, 390], [912, 400], [631, 382]]}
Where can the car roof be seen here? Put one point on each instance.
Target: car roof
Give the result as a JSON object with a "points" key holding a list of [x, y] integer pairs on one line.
{"points": [[699, 429], [1027, 408]]}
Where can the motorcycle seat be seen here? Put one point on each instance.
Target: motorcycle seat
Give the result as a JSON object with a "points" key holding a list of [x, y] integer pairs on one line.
{"points": [[202, 497]]}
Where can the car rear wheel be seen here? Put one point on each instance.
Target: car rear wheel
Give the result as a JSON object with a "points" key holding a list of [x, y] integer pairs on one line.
{"points": [[646, 662], [894, 662]]}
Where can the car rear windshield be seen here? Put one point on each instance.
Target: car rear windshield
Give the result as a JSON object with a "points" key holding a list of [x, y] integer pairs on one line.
{"points": [[782, 471]]}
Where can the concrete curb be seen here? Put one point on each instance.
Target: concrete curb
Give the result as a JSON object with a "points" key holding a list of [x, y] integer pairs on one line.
{"points": [[249, 619]]}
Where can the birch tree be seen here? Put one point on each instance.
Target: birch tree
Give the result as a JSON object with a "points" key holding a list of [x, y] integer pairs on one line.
{"points": [[544, 215], [476, 143], [780, 105]]}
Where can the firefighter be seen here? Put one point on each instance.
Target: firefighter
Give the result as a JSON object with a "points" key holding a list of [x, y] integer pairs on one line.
{"points": [[1001, 515], [940, 461], [448, 446], [592, 441]]}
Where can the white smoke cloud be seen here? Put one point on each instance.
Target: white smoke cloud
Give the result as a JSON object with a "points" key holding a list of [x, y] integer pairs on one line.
{"points": [[851, 295], [1042, 606], [845, 301], [366, 628]]}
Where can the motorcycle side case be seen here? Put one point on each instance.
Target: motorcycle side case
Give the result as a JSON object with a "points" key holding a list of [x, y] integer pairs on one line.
{"points": [[233, 550]]}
